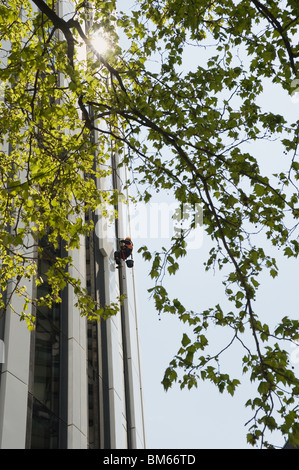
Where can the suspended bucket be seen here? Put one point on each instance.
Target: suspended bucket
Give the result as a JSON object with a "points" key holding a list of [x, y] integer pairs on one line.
{"points": [[130, 263]]}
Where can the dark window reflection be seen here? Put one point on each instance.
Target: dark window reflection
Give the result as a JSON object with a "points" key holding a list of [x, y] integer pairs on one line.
{"points": [[47, 364], [93, 386], [45, 428], [47, 397], [93, 365]]}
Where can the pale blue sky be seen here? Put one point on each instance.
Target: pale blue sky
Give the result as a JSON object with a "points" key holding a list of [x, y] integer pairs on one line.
{"points": [[203, 418]]}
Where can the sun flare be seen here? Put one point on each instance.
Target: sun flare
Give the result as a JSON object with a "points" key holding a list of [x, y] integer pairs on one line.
{"points": [[101, 43]]}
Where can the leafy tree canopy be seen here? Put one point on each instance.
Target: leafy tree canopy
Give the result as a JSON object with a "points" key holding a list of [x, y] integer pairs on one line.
{"points": [[187, 127]]}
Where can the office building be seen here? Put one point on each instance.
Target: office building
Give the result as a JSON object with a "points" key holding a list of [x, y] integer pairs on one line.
{"points": [[72, 383]]}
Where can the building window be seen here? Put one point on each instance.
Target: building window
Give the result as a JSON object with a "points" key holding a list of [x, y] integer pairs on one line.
{"points": [[49, 388], [92, 352]]}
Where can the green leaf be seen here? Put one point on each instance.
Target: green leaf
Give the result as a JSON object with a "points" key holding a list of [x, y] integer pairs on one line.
{"points": [[186, 340]]}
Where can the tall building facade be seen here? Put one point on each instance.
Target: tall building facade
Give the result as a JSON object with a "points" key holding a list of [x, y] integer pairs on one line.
{"points": [[72, 383]]}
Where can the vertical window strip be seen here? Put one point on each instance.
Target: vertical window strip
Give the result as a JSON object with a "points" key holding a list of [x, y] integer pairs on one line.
{"points": [[48, 400]]}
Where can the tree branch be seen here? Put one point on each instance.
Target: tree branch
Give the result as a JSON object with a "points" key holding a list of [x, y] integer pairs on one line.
{"points": [[59, 23], [277, 26]]}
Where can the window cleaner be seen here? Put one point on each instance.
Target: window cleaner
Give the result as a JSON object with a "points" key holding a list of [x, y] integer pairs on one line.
{"points": [[125, 252]]}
